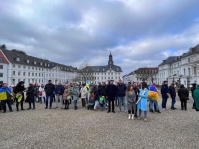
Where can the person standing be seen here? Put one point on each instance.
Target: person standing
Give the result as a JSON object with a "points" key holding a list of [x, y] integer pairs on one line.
{"points": [[192, 91], [7, 97], [30, 96], [137, 92], [111, 93], [59, 90], [142, 103], [84, 92], [19, 89], [66, 96], [172, 93], [131, 101], [183, 94], [75, 94], [41, 93], [196, 97], [49, 89], [36, 92], [165, 94], [121, 92]]}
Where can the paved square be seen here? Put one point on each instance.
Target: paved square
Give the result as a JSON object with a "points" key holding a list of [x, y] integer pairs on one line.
{"points": [[63, 129]]}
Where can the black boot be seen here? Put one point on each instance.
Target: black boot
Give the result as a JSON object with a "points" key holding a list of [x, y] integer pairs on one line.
{"points": [[33, 105], [151, 111]]}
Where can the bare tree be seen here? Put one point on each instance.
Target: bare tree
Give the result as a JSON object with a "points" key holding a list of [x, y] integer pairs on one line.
{"points": [[84, 73]]}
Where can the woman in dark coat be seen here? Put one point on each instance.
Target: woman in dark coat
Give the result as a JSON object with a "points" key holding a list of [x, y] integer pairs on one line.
{"points": [[19, 89], [30, 96], [183, 94]]}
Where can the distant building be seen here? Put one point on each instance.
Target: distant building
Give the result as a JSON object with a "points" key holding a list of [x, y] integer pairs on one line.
{"points": [[183, 69], [17, 66], [146, 74], [106, 72]]}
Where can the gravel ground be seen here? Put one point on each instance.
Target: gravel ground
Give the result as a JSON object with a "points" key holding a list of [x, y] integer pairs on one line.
{"points": [[56, 128]]}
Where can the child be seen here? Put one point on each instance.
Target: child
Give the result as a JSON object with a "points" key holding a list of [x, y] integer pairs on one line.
{"points": [[102, 103]]}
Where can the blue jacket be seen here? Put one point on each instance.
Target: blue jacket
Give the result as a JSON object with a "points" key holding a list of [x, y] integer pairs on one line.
{"points": [[59, 89], [164, 91], [121, 90]]}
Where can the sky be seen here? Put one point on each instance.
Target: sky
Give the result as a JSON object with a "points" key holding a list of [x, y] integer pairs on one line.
{"points": [[138, 33]]}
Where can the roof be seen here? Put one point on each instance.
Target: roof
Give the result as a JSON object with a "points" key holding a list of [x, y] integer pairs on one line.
{"points": [[147, 70], [170, 60], [106, 68], [20, 57]]}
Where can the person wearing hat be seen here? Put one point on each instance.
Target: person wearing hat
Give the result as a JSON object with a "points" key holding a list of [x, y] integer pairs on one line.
{"points": [[196, 97], [192, 91], [49, 89]]}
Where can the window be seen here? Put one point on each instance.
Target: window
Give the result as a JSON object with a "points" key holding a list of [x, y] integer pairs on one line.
{"points": [[36, 74], [1, 66], [194, 71], [28, 73], [32, 68], [19, 66], [184, 71], [24, 67], [35, 62], [27, 61], [188, 60], [17, 59], [13, 65], [32, 74], [13, 73], [24, 73], [28, 67], [1, 59], [189, 71], [19, 73], [1, 74]]}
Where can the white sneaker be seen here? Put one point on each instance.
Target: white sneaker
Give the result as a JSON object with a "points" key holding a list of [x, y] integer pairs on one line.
{"points": [[125, 111], [132, 116], [129, 116], [145, 119]]}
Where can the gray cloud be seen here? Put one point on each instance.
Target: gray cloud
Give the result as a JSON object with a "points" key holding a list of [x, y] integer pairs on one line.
{"points": [[70, 32]]}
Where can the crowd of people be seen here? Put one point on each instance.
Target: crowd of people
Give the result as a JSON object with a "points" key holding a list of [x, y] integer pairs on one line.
{"points": [[132, 98]]}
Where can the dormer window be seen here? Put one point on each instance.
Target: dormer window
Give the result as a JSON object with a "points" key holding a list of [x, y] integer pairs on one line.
{"points": [[48, 65], [117, 69], [103, 69], [45, 64], [27, 61], [41, 64], [35, 62], [1, 59], [17, 59]]}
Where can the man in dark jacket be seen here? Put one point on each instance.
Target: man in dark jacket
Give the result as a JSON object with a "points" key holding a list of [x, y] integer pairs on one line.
{"points": [[165, 94], [59, 90], [183, 94], [111, 93], [172, 93], [192, 91], [121, 92], [49, 89]]}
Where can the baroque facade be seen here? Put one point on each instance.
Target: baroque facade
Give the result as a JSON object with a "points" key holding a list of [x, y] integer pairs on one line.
{"points": [[183, 69], [17, 66]]}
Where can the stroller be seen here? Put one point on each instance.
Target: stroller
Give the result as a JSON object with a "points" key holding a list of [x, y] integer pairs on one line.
{"points": [[90, 104]]}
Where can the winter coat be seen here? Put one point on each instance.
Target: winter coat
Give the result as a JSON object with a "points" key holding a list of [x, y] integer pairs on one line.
{"points": [[84, 92], [142, 104], [111, 92], [42, 94], [131, 100], [137, 91], [75, 93], [121, 90], [49, 89], [164, 91], [196, 98], [30, 94], [183, 93], [66, 93], [19, 89], [96, 93], [192, 90], [102, 91], [172, 92], [59, 89]]}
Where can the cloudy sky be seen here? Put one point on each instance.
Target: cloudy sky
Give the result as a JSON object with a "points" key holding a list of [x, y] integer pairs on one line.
{"points": [[139, 33]]}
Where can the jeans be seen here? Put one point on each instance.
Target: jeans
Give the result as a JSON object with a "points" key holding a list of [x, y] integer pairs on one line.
{"points": [[152, 102], [164, 103], [51, 100], [140, 113], [87, 99], [4, 105], [117, 101], [61, 100], [122, 102], [173, 102], [96, 104], [75, 103], [102, 106]]}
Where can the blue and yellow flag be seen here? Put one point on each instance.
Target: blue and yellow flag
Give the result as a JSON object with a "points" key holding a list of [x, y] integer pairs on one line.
{"points": [[19, 97], [87, 84], [3, 93]]}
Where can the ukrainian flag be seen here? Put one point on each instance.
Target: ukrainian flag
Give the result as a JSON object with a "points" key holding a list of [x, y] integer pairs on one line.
{"points": [[19, 97], [87, 84], [3, 95], [153, 95]]}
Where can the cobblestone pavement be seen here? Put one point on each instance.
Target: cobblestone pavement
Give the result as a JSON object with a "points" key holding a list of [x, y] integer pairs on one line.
{"points": [[56, 128]]}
